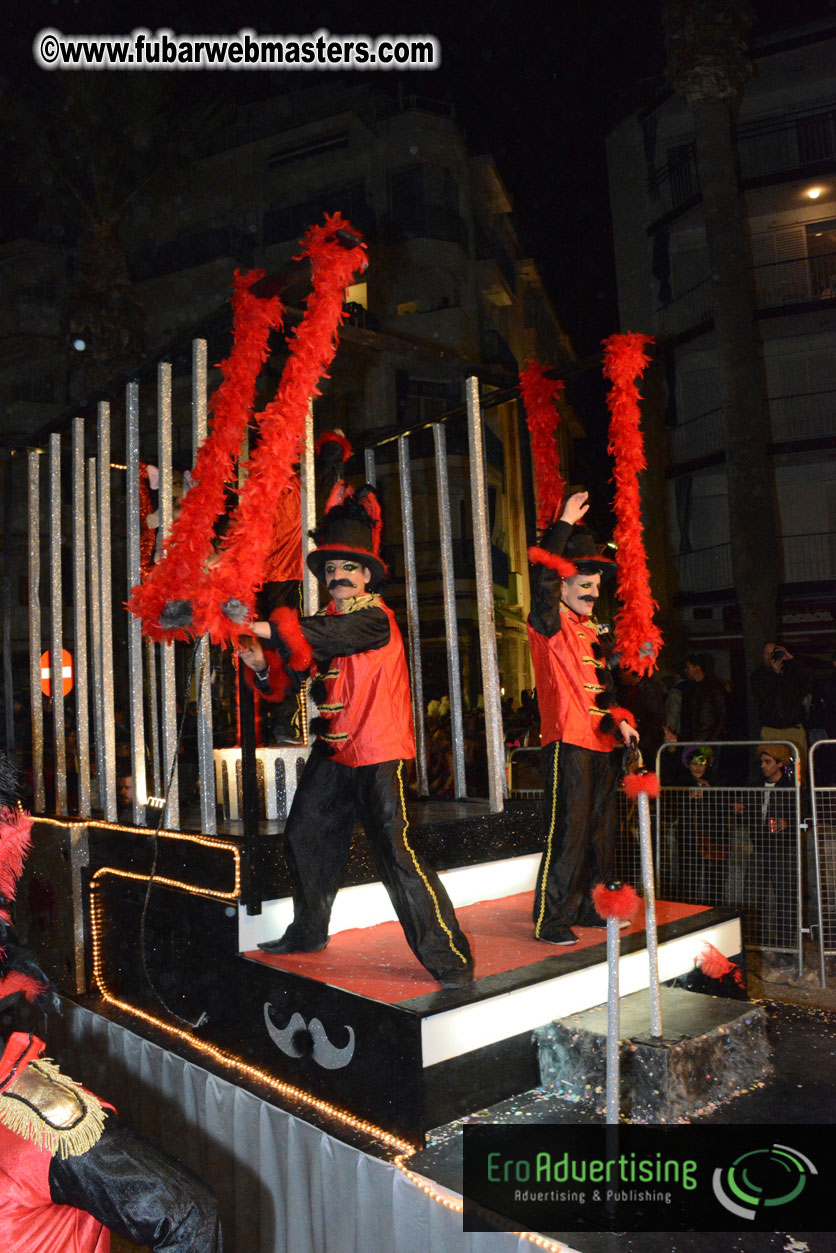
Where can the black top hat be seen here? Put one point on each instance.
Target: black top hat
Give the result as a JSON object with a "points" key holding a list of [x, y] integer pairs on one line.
{"points": [[350, 531], [581, 548]]}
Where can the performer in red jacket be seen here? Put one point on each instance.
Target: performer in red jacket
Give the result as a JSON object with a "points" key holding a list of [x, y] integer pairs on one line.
{"points": [[580, 726], [357, 767], [70, 1172]]}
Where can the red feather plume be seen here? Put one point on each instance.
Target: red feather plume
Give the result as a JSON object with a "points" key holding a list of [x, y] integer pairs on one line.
{"points": [[540, 398], [15, 842], [615, 902], [642, 782], [16, 981], [714, 964], [638, 639], [542, 557]]}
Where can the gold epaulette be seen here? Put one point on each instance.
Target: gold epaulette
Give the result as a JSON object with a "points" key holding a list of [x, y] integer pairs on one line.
{"points": [[52, 1111], [368, 600]]}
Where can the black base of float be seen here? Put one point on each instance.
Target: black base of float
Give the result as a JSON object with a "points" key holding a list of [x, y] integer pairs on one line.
{"points": [[711, 1049]]}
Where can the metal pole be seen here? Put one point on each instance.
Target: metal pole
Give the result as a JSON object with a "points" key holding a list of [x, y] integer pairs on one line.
{"points": [[95, 622], [134, 539], [649, 887], [107, 776], [613, 1020], [56, 607], [370, 467], [448, 583], [817, 853], [39, 794], [413, 624], [203, 661], [484, 599], [82, 684], [171, 817], [8, 678], [310, 584]]}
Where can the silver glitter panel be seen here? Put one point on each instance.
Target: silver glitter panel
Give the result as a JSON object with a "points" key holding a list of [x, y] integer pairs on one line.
{"points": [[132, 527], [649, 887], [203, 662], [484, 598], [168, 691], [448, 582], [413, 624], [370, 467], [34, 501], [56, 606], [82, 686], [95, 621], [310, 584], [153, 715], [613, 1015], [108, 775]]}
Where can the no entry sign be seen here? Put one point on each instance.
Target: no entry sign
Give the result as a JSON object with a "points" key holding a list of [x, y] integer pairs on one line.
{"points": [[66, 672]]}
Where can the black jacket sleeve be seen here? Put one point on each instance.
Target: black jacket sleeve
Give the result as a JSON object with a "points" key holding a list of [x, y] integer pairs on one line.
{"points": [[545, 586], [139, 1192], [343, 634]]}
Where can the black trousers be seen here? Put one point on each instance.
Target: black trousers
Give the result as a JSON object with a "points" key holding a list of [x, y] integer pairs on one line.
{"points": [[580, 819], [329, 799]]}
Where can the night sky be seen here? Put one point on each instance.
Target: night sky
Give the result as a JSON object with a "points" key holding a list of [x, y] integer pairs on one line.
{"points": [[536, 86]]}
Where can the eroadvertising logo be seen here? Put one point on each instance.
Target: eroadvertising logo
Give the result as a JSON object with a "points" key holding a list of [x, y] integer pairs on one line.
{"points": [[568, 1178]]}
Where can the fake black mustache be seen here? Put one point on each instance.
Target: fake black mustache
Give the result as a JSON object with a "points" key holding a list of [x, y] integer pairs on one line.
{"points": [[340, 583]]}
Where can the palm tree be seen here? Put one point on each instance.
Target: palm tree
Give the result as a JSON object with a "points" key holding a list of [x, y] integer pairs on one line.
{"points": [[708, 63]]}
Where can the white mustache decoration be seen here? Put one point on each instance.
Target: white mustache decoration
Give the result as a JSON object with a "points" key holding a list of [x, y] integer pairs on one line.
{"points": [[325, 1054]]}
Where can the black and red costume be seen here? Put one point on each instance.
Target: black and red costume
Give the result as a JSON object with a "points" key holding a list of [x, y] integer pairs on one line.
{"points": [[357, 767], [578, 720]]}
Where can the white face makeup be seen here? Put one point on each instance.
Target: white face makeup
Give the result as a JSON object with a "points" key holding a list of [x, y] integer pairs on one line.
{"points": [[345, 579], [580, 593]]}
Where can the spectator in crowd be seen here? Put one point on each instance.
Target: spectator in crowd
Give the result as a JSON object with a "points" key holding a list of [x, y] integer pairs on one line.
{"points": [[776, 839], [703, 845], [779, 688], [704, 702], [644, 696]]}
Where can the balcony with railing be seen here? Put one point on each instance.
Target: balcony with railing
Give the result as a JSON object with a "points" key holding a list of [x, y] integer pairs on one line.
{"points": [[807, 559], [800, 282], [793, 419], [767, 148]]}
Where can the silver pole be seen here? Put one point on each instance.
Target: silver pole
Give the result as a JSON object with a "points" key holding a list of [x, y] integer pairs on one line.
{"points": [[82, 685], [310, 584], [413, 624], [95, 622], [171, 817], [448, 582], [37, 706], [484, 599], [817, 854], [203, 661], [649, 887], [613, 1021], [132, 523], [153, 716], [107, 777], [57, 623], [370, 467]]}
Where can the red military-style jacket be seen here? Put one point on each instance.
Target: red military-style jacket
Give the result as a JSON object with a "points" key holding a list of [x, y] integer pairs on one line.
{"points": [[368, 704], [569, 677]]}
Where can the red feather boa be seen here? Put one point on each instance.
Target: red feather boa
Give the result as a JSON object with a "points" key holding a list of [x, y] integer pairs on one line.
{"points": [[714, 964], [15, 842], [188, 543], [540, 397], [638, 639], [615, 902], [287, 621], [542, 557], [16, 981], [643, 781], [246, 547]]}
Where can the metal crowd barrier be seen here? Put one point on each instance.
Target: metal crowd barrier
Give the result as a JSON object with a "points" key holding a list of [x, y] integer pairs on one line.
{"points": [[822, 767]]}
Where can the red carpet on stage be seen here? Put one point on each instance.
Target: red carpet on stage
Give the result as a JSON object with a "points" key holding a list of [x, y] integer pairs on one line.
{"points": [[377, 962]]}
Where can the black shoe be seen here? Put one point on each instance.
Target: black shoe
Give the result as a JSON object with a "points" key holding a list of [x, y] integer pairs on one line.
{"points": [[563, 935], [458, 977], [284, 945]]}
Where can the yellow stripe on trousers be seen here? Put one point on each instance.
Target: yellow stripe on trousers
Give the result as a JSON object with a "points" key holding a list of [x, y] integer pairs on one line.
{"points": [[547, 857], [417, 866]]}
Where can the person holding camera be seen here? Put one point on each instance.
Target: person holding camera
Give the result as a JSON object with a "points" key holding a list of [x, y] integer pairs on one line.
{"points": [[779, 688]]}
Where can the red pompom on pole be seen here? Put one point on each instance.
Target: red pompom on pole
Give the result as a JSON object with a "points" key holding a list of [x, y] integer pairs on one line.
{"points": [[714, 964], [643, 782], [540, 397], [638, 639], [616, 900]]}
